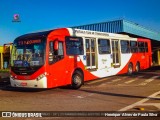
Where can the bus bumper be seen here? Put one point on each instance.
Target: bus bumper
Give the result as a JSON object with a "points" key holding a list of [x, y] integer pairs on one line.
{"points": [[42, 83]]}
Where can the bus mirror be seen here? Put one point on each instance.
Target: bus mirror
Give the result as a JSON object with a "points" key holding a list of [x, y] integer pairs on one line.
{"points": [[56, 45]]}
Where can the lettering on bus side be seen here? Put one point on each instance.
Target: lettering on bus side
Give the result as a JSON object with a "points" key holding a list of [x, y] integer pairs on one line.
{"points": [[87, 32]]}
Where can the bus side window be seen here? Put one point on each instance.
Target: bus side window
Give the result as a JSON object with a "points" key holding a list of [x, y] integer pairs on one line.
{"points": [[55, 55], [74, 45], [146, 47], [60, 48], [51, 52], [104, 46], [134, 48], [125, 46], [141, 47]]}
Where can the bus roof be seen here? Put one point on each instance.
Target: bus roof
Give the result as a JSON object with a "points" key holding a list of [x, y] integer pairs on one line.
{"points": [[36, 34], [76, 32]]}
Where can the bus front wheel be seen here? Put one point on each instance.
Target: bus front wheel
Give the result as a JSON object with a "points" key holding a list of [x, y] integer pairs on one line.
{"points": [[77, 80]]}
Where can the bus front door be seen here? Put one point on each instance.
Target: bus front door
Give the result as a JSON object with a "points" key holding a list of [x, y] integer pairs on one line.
{"points": [[90, 53], [116, 53]]}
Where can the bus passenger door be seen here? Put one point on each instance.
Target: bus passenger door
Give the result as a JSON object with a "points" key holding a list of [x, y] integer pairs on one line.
{"points": [[116, 53], [56, 63], [90, 53]]}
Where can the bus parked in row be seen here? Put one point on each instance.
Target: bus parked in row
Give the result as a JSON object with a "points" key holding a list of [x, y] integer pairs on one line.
{"points": [[69, 56]]}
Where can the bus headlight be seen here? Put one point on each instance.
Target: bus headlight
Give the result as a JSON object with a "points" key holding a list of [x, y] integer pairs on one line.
{"points": [[11, 77], [40, 77]]}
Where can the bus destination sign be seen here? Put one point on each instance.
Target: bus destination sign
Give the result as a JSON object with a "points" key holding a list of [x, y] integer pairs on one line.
{"points": [[29, 42]]}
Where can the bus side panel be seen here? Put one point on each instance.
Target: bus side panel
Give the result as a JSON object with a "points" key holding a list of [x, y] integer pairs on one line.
{"points": [[149, 53], [56, 71], [61, 72], [146, 57], [126, 63], [135, 58], [75, 63]]}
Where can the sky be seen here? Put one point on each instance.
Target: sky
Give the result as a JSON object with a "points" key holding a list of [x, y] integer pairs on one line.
{"points": [[39, 15]]}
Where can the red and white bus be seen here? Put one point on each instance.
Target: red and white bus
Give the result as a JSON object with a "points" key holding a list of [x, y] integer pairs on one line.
{"points": [[69, 56]]}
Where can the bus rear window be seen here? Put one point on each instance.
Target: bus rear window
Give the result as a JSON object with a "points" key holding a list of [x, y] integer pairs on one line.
{"points": [[74, 46]]}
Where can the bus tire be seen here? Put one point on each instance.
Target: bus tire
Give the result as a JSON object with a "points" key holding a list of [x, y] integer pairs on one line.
{"points": [[137, 69], [130, 69], [77, 80]]}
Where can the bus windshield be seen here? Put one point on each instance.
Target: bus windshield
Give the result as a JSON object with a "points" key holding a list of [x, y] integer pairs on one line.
{"points": [[28, 53]]}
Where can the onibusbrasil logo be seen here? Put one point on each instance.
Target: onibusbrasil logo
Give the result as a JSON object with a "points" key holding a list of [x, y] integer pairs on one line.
{"points": [[16, 18]]}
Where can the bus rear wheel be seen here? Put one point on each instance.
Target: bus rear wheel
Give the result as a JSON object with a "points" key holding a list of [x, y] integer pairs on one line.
{"points": [[130, 69], [77, 80], [137, 69]]}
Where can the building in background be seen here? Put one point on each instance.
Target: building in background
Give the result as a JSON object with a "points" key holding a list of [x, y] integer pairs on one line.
{"points": [[129, 28], [5, 52]]}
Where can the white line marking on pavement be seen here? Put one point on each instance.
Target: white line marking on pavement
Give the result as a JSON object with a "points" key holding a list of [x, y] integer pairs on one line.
{"points": [[116, 80], [157, 105], [83, 96], [139, 102], [80, 97], [103, 79], [148, 80], [96, 81], [130, 81]]}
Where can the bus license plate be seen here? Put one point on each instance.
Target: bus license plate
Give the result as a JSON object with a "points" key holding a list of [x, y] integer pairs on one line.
{"points": [[23, 84]]}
